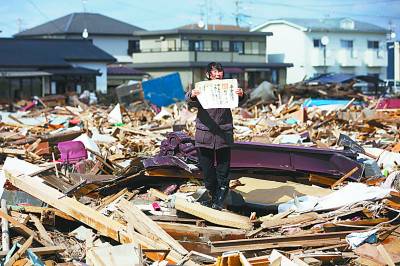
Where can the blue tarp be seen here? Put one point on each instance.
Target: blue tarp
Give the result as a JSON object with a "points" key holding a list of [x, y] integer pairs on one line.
{"points": [[165, 90], [332, 78], [319, 102]]}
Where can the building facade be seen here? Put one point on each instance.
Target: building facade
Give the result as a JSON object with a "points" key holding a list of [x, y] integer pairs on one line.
{"points": [[317, 46], [188, 51]]}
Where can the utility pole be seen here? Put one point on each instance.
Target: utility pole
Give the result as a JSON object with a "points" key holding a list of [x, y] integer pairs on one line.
{"points": [[19, 23], [239, 16]]}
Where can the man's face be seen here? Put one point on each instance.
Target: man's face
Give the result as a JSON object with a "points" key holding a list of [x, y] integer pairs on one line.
{"points": [[216, 74]]}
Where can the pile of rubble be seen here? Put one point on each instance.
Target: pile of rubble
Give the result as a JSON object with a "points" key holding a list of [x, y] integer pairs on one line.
{"points": [[313, 182]]}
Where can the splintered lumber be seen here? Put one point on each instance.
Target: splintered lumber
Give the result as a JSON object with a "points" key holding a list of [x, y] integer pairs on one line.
{"points": [[5, 236], [94, 219], [23, 229], [186, 232], [104, 225], [287, 241], [213, 216], [42, 231], [19, 252], [40, 210], [158, 194], [286, 221], [40, 251], [343, 178], [144, 225]]}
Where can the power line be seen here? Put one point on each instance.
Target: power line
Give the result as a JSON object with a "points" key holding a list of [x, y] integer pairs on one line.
{"points": [[44, 15], [322, 10]]}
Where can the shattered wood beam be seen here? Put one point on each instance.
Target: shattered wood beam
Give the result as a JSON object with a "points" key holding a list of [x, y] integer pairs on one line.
{"points": [[190, 232], [343, 178], [151, 229], [40, 251], [104, 225], [19, 252], [214, 216], [40, 210], [312, 240], [42, 231], [5, 236], [23, 229]]}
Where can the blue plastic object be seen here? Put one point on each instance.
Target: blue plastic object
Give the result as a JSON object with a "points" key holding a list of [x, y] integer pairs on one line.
{"points": [[165, 90]]}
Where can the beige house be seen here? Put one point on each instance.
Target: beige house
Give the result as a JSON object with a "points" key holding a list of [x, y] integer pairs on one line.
{"points": [[188, 51]]}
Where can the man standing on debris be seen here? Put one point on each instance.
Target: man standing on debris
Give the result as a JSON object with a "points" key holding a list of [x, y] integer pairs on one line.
{"points": [[214, 135]]}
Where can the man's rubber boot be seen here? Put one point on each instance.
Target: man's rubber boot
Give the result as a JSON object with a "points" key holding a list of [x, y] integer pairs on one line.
{"points": [[218, 202]]}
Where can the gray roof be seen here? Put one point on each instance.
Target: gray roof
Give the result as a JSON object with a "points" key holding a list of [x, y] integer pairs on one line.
{"points": [[204, 64], [330, 24], [75, 23], [203, 32], [21, 53]]}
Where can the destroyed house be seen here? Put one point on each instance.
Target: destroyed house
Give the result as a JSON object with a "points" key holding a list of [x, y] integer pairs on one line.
{"points": [[189, 49], [39, 67]]}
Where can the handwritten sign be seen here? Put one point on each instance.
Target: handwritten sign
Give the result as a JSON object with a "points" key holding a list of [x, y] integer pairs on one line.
{"points": [[218, 93]]}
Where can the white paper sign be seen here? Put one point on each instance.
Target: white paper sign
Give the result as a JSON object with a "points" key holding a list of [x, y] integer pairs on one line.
{"points": [[219, 93]]}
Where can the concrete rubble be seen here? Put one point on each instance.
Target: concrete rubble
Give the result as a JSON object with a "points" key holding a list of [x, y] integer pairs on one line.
{"points": [[313, 182]]}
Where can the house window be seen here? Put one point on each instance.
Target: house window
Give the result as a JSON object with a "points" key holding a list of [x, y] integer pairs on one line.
{"points": [[318, 43], [346, 44], [373, 45], [215, 46], [196, 45], [133, 46], [171, 45], [237, 46]]}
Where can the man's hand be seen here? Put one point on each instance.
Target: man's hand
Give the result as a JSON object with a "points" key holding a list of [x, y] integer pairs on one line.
{"points": [[239, 91], [194, 93]]}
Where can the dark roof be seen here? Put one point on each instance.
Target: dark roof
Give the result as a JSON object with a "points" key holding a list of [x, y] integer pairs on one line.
{"points": [[327, 24], [75, 23], [204, 64], [123, 71], [49, 52], [72, 71], [203, 32], [214, 27]]}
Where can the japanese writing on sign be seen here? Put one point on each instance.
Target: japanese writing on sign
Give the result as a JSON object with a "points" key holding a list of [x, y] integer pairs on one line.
{"points": [[219, 93]]}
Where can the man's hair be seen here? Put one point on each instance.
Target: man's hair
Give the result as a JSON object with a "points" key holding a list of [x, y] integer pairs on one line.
{"points": [[214, 65]]}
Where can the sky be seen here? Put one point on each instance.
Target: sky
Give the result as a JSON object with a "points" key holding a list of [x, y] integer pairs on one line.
{"points": [[18, 15]]}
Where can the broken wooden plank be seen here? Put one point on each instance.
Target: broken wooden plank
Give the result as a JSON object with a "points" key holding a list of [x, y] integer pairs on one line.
{"points": [[70, 206], [151, 229], [214, 216], [5, 235], [343, 178], [19, 252], [23, 229], [40, 210], [192, 232], [42, 231], [41, 251]]}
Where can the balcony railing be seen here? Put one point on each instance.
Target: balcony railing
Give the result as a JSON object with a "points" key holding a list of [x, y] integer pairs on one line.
{"points": [[196, 56], [318, 59], [348, 58], [375, 58]]}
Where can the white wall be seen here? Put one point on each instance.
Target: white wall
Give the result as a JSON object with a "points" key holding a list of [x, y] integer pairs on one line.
{"points": [[360, 46], [292, 45], [101, 81], [115, 46], [286, 45]]}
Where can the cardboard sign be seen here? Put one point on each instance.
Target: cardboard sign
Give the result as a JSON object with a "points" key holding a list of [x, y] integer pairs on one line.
{"points": [[219, 93]]}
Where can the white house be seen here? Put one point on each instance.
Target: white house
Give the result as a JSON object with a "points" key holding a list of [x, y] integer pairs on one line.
{"points": [[317, 46]]}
